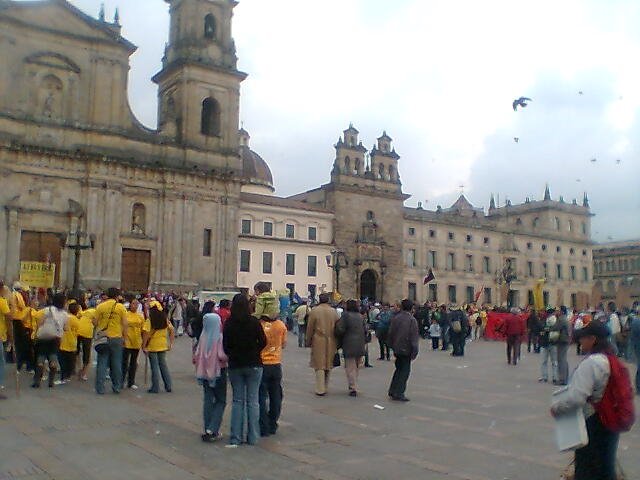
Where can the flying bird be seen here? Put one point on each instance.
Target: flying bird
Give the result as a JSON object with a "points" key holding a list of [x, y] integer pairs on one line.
{"points": [[617, 160], [516, 139], [577, 179], [593, 160], [580, 92], [520, 102]]}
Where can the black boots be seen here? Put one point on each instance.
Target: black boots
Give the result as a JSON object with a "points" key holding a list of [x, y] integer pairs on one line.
{"points": [[37, 376]]}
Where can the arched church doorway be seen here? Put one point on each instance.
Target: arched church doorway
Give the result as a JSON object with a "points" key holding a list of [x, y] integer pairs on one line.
{"points": [[368, 284]]}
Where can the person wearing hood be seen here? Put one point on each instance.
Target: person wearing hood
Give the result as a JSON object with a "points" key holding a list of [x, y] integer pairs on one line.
{"points": [[211, 372], [270, 393]]}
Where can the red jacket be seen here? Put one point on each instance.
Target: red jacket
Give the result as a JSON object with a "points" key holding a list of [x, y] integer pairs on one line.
{"points": [[514, 325]]}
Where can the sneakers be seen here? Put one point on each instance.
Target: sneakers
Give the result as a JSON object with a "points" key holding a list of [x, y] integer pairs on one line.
{"points": [[209, 437], [133, 387], [353, 393]]}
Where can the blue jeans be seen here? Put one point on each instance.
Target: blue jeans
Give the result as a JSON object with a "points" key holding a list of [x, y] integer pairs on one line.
{"points": [[110, 357], [2, 363], [215, 399], [245, 382], [158, 363], [550, 352], [636, 351], [271, 394]]}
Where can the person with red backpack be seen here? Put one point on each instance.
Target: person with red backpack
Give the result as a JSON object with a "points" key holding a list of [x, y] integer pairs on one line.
{"points": [[602, 388]]}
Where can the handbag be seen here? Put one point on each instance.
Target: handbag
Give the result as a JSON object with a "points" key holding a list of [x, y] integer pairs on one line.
{"points": [[336, 359], [100, 338]]}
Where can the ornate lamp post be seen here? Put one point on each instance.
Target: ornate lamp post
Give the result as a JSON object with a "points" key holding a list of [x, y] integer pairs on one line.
{"points": [[506, 276], [78, 241], [337, 261]]}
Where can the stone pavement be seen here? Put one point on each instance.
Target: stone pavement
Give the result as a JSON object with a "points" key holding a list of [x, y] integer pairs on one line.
{"points": [[471, 418]]}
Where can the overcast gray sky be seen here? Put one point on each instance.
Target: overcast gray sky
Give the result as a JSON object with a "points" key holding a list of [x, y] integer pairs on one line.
{"points": [[439, 76]]}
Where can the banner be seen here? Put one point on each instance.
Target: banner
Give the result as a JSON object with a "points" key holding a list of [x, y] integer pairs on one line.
{"points": [[37, 274], [538, 296], [495, 321]]}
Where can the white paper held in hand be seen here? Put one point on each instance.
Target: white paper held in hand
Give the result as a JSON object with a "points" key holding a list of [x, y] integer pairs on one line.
{"points": [[571, 429]]}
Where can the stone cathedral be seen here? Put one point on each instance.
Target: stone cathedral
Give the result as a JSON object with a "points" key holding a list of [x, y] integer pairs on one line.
{"points": [[73, 157]]}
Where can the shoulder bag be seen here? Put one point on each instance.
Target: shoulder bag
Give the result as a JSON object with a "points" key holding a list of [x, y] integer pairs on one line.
{"points": [[100, 339]]}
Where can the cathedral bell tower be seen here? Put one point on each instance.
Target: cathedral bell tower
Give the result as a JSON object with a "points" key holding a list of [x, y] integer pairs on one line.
{"points": [[199, 84]]}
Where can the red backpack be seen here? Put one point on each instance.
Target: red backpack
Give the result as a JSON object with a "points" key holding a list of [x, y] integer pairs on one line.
{"points": [[616, 409]]}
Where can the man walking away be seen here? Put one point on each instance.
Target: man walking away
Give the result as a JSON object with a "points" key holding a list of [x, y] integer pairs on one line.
{"points": [[533, 326], [382, 330], [403, 338], [459, 331], [321, 338], [514, 331]]}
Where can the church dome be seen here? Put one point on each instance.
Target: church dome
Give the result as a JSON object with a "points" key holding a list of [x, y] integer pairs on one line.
{"points": [[255, 170]]}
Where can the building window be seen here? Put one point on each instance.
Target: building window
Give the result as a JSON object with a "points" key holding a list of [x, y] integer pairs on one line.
{"points": [[545, 298], [584, 228], [312, 233], [485, 240], [452, 294], [530, 269], [290, 264], [469, 238], [572, 251], [412, 294], [570, 225], [432, 259], [312, 265], [290, 231], [556, 220], [210, 120], [412, 231], [433, 292], [245, 260], [559, 271], [572, 270], [530, 299], [585, 274], [535, 223], [210, 26], [138, 218], [432, 233], [411, 258], [486, 265], [451, 261], [451, 236], [267, 262], [545, 271], [246, 227], [574, 300], [584, 253], [487, 295], [268, 229], [558, 249], [529, 245], [544, 247], [470, 295], [469, 265], [311, 288], [206, 243]]}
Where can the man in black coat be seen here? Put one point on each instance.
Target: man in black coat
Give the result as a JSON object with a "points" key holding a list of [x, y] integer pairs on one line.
{"points": [[459, 331], [403, 338]]}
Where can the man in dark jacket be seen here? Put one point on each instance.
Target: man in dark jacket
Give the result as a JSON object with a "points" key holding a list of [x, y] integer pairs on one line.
{"points": [[445, 327], [403, 338], [459, 331]]}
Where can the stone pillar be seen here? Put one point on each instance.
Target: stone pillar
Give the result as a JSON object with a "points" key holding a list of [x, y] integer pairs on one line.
{"points": [[13, 248]]}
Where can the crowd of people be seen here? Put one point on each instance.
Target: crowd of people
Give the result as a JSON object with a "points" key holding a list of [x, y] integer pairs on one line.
{"points": [[54, 336]]}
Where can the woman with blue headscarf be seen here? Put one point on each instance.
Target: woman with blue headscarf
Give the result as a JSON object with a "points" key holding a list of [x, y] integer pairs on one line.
{"points": [[211, 372]]}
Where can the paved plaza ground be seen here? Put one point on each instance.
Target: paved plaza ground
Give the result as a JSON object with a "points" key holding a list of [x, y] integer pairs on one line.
{"points": [[471, 418]]}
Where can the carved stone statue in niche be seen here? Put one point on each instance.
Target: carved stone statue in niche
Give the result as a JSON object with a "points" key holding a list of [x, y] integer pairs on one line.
{"points": [[50, 93], [138, 219]]}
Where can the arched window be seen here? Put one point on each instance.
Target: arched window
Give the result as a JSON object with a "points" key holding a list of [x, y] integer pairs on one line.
{"points": [[347, 165], [138, 214], [570, 225], [356, 166], [380, 171], [392, 173], [535, 222], [556, 221], [210, 26], [51, 96], [518, 221], [210, 124]]}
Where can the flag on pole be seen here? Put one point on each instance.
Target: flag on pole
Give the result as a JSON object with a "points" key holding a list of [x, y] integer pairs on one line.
{"points": [[429, 277], [477, 295], [538, 295]]}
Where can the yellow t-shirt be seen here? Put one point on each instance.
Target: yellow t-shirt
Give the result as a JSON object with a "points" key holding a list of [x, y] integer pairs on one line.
{"points": [[86, 323], [4, 322], [69, 340], [20, 310], [111, 317], [135, 321], [159, 341], [276, 333]]}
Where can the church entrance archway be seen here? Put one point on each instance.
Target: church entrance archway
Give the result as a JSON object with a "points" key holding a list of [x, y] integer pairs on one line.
{"points": [[368, 284]]}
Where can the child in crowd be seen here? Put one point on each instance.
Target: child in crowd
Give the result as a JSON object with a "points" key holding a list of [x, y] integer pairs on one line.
{"points": [[434, 333], [69, 343]]}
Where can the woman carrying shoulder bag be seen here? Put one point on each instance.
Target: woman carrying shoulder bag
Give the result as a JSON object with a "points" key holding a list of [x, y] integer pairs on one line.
{"points": [[50, 324], [157, 340]]}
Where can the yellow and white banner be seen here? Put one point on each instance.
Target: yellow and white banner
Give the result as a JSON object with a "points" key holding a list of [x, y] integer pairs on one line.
{"points": [[37, 274]]}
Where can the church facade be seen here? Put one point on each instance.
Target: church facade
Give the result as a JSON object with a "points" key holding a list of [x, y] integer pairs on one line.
{"points": [[190, 206]]}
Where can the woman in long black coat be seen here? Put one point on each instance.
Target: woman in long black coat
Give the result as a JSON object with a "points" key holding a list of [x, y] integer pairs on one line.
{"points": [[350, 331]]}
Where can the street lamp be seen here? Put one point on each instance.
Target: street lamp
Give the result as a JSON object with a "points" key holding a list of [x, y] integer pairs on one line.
{"points": [[78, 241], [337, 261]]}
